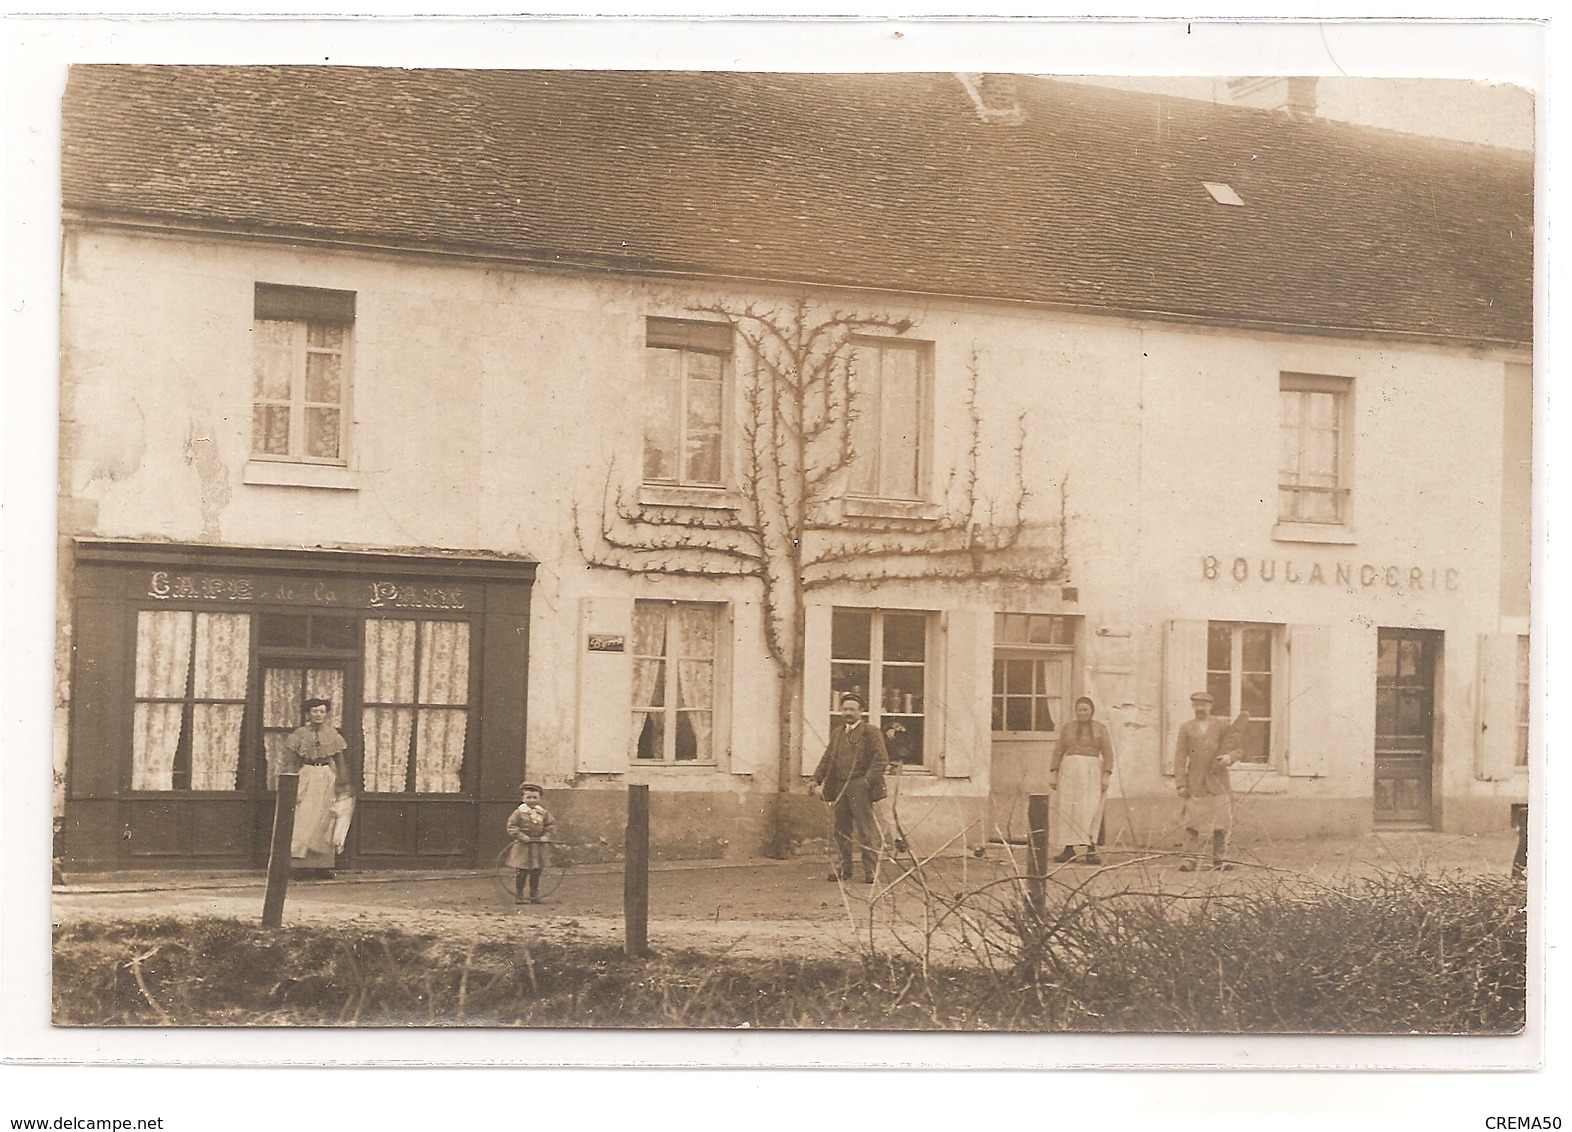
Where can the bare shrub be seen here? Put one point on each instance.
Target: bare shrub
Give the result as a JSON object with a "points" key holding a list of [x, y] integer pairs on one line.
{"points": [[945, 949]]}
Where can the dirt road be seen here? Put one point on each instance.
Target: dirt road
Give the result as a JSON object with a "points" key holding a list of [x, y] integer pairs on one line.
{"points": [[755, 908]]}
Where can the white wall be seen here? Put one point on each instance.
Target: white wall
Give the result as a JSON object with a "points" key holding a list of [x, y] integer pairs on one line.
{"points": [[488, 401], [1423, 545]]}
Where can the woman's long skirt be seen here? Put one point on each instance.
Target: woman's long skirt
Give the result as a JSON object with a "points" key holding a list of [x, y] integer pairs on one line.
{"points": [[312, 844], [1077, 812]]}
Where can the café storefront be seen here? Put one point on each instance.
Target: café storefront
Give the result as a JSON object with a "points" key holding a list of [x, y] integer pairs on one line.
{"points": [[190, 667]]}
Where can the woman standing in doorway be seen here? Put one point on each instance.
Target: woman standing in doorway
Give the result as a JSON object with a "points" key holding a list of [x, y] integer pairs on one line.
{"points": [[315, 751], [1078, 778]]}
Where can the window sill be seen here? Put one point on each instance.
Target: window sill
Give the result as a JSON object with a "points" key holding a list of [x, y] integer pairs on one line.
{"points": [[1329, 533], [279, 473], [402, 796], [1024, 736], [707, 498], [173, 794], [865, 508], [1257, 778]]}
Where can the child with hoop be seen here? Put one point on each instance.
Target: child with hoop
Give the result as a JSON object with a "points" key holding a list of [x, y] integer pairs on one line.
{"points": [[529, 827]]}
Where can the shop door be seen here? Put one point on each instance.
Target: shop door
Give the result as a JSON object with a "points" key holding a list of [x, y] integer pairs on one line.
{"points": [[1033, 665], [1405, 725], [286, 686]]}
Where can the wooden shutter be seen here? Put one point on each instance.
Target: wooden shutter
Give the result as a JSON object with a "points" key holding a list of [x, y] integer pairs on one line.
{"points": [[739, 732], [605, 687], [1309, 700], [959, 719], [1497, 735], [303, 304], [1184, 674], [681, 334]]}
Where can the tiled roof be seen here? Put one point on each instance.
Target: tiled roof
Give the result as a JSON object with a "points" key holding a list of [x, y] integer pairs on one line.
{"points": [[1093, 199]]}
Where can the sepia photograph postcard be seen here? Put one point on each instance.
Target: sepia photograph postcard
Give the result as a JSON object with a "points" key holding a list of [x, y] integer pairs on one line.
{"points": [[590, 552]]}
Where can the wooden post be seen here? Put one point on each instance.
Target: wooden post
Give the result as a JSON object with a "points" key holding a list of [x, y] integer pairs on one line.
{"points": [[1037, 853], [278, 852], [636, 873]]}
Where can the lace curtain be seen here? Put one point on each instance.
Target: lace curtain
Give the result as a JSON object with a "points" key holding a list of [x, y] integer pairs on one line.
{"points": [[695, 651], [163, 663], [209, 653], [682, 636], [649, 681], [220, 671], [388, 719], [441, 731], [396, 651]]}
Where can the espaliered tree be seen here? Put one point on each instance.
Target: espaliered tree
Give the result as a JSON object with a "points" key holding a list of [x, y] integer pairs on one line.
{"points": [[799, 405]]}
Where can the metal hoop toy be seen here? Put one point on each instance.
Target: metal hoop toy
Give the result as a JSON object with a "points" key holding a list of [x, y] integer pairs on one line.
{"points": [[550, 877]]}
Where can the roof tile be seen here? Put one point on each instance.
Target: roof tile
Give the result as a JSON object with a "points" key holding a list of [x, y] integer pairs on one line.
{"points": [[1094, 199]]}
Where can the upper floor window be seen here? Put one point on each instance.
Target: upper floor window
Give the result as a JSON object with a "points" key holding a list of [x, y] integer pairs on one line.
{"points": [[1033, 666], [891, 411], [300, 373], [685, 389], [1240, 660], [1313, 465], [674, 657], [882, 656]]}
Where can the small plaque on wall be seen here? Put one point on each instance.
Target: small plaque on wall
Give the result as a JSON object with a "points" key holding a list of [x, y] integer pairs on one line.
{"points": [[606, 642]]}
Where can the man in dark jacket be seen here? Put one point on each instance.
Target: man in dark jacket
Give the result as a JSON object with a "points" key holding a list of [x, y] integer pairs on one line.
{"points": [[850, 777]]}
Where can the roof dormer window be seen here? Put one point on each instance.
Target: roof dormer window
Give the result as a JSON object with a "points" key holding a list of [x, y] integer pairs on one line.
{"points": [[1223, 193]]}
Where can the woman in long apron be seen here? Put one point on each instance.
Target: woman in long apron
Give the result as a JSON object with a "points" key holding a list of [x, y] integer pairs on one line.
{"points": [[1078, 779], [316, 753]]}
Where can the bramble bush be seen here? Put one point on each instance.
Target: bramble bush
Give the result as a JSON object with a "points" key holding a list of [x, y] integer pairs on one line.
{"points": [[1394, 953]]}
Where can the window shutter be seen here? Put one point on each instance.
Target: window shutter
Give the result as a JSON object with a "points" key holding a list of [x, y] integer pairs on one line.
{"points": [[736, 732], [1309, 699], [1497, 739], [1184, 673], [961, 720], [605, 687], [816, 707], [677, 334], [303, 304]]}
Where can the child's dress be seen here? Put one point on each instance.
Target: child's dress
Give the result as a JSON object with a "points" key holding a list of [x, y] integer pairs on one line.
{"points": [[530, 828]]}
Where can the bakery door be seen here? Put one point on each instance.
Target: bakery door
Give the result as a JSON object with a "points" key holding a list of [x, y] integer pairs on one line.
{"points": [[1406, 661]]}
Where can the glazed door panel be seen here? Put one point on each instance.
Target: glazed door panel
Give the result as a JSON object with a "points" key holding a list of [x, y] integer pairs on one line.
{"points": [[284, 688], [1405, 725]]}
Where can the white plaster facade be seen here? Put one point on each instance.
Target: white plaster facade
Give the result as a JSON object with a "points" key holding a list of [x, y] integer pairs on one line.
{"points": [[488, 398]]}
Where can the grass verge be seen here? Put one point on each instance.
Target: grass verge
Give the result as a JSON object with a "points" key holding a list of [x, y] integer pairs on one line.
{"points": [[1403, 953]]}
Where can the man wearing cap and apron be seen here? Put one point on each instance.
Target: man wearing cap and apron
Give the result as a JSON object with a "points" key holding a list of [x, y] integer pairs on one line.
{"points": [[1201, 778]]}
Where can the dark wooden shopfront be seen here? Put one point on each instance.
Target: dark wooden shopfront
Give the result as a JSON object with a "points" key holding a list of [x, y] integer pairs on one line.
{"points": [[191, 666]]}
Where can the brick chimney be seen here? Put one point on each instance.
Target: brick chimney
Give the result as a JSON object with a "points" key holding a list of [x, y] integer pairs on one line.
{"points": [[1288, 94]]}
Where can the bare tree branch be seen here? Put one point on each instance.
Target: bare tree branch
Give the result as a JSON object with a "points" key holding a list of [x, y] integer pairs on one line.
{"points": [[798, 408]]}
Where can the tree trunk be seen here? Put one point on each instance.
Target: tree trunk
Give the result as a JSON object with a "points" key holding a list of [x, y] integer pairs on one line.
{"points": [[788, 738]]}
